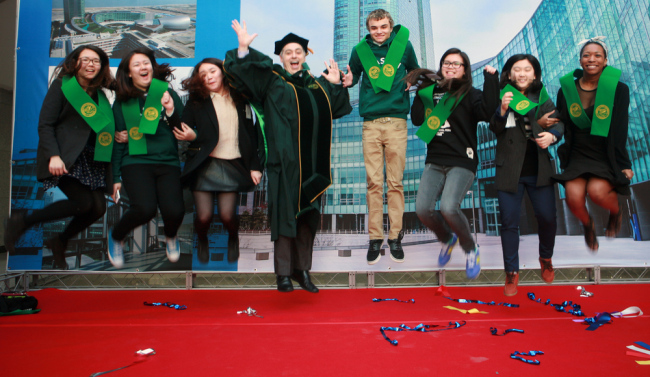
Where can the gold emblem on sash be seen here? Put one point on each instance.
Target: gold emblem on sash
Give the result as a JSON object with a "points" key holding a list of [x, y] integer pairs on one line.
{"points": [[88, 109], [433, 123], [575, 110], [150, 113], [105, 139], [312, 86], [373, 72], [428, 112], [135, 134], [389, 70], [523, 104], [602, 112]]}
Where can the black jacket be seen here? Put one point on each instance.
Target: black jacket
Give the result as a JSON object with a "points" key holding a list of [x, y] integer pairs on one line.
{"points": [[512, 144], [616, 139], [457, 145], [62, 132], [202, 117]]}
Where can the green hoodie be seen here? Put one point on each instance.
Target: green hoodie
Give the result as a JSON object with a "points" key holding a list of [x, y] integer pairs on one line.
{"points": [[384, 104]]}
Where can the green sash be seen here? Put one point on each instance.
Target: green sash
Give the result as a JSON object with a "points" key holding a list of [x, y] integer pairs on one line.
{"points": [[520, 103], [382, 79], [603, 105], [436, 116], [99, 118], [151, 113], [131, 112], [260, 118]]}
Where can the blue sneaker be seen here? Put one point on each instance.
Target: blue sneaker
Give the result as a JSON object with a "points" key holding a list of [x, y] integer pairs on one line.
{"points": [[473, 264], [115, 251], [445, 252], [173, 249]]}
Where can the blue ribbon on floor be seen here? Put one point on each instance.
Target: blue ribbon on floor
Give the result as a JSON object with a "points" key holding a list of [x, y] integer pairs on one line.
{"points": [[494, 331], [167, 304], [598, 320], [529, 353], [463, 301], [421, 328], [573, 309], [411, 301]]}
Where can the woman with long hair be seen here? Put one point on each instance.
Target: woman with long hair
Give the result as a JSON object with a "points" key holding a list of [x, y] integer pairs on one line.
{"points": [[223, 157], [148, 165], [525, 124], [450, 109], [75, 130], [593, 105]]}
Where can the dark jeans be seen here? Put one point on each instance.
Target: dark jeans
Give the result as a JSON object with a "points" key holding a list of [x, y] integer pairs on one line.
{"points": [[450, 183], [149, 187], [543, 200]]}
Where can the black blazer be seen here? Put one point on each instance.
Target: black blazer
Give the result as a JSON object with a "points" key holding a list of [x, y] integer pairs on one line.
{"points": [[202, 117], [512, 143], [61, 132]]}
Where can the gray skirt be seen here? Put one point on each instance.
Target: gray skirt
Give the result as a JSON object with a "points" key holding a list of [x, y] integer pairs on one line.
{"points": [[216, 174]]}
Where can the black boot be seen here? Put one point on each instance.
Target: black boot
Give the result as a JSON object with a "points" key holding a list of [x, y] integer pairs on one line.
{"points": [[58, 252], [14, 228], [233, 247], [396, 251], [302, 277], [203, 251], [284, 284], [374, 251]]}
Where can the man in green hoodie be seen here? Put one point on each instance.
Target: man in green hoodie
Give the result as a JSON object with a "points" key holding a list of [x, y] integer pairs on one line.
{"points": [[384, 57]]}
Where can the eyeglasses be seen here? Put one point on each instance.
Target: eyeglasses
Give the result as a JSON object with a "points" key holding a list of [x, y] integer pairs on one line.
{"points": [[447, 64], [88, 61]]}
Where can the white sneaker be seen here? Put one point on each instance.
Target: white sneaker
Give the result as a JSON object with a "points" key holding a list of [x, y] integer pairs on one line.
{"points": [[173, 249]]}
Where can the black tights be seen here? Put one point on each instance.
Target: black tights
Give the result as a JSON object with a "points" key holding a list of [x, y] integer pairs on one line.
{"points": [[226, 202], [84, 205]]}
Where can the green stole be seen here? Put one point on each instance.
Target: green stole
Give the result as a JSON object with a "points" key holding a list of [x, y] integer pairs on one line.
{"points": [[99, 118], [382, 79], [520, 103], [603, 105], [436, 116], [146, 122]]}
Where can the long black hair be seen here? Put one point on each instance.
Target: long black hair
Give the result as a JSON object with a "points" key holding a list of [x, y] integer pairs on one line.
{"points": [[195, 86], [70, 67], [457, 87], [125, 88], [535, 86]]}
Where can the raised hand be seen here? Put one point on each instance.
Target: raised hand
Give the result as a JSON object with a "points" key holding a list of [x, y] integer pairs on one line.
{"points": [[333, 74], [489, 69], [168, 103], [347, 78], [505, 102], [243, 37]]}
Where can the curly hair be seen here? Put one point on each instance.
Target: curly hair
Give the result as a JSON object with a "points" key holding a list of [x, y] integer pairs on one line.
{"points": [[379, 14], [196, 86], [70, 67], [125, 89]]}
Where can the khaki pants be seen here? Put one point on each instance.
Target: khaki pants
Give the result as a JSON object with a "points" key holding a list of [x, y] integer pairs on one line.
{"points": [[384, 137]]}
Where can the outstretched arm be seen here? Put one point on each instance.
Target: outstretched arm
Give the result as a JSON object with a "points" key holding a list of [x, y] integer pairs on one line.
{"points": [[243, 37]]}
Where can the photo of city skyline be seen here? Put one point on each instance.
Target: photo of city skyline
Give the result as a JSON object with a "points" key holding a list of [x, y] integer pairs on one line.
{"points": [[118, 27]]}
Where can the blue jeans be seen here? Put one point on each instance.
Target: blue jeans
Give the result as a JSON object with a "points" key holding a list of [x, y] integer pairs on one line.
{"points": [[543, 200], [450, 183]]}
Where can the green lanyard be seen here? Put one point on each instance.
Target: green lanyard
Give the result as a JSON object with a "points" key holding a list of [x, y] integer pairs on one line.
{"points": [[434, 116], [99, 118], [603, 105], [382, 79]]}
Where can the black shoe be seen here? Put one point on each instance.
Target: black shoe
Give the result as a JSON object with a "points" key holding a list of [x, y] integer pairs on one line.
{"points": [[14, 228], [302, 277], [396, 251], [203, 251], [233, 248], [374, 251], [58, 252], [590, 236], [284, 284]]}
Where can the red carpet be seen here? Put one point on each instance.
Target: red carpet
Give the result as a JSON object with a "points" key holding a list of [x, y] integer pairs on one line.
{"points": [[333, 333]]}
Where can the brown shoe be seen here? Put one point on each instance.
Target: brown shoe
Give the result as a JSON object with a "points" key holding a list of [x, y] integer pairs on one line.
{"points": [[548, 274], [590, 236], [614, 224], [512, 279]]}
